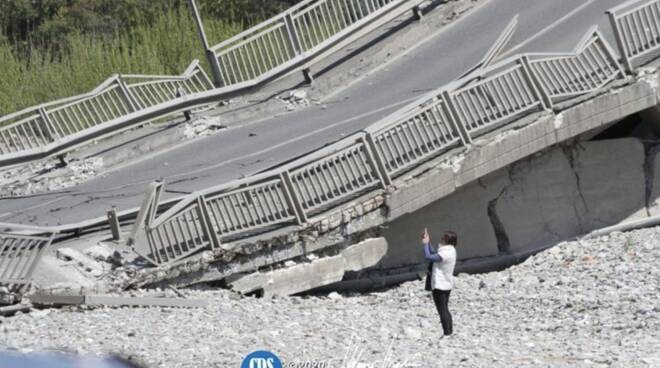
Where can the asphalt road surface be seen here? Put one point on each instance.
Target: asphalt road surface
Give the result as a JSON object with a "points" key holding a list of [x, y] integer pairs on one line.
{"points": [[544, 26]]}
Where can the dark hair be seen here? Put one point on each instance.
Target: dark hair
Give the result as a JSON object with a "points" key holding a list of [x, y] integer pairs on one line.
{"points": [[450, 237]]}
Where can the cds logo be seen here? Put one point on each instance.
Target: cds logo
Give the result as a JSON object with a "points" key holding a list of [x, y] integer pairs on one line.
{"points": [[261, 359]]}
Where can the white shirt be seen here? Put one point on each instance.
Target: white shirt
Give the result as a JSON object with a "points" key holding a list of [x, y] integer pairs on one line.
{"points": [[443, 272]]}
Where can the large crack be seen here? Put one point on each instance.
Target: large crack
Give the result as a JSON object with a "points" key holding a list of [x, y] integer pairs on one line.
{"points": [[501, 236], [570, 152], [650, 151]]}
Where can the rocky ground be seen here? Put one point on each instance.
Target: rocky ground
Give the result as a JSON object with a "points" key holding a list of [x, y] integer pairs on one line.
{"points": [[592, 303]]}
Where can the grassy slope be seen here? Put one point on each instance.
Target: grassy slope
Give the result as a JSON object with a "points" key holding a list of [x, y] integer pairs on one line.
{"points": [[166, 45]]}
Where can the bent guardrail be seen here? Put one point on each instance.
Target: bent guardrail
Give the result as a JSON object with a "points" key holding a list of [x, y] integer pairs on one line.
{"points": [[291, 37], [450, 117], [244, 61], [40, 127], [19, 255], [636, 26], [592, 65]]}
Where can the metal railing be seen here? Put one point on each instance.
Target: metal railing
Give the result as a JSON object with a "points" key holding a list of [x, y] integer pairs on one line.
{"points": [[450, 117], [19, 256], [415, 137], [292, 36], [591, 66], [244, 61], [636, 27], [148, 90], [41, 126], [495, 99], [447, 118]]}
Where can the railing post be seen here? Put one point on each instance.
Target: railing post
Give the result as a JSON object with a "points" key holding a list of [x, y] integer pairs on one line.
{"points": [[452, 114], [48, 124], [294, 38], [147, 211], [623, 48], [292, 198], [115, 228], [376, 160], [535, 83], [205, 221], [218, 78], [126, 95]]}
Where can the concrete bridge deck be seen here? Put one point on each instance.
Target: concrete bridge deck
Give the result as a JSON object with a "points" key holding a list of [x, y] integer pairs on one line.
{"points": [[544, 26], [567, 191]]}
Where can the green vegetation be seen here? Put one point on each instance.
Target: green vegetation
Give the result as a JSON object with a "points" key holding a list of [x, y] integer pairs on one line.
{"points": [[51, 49]]}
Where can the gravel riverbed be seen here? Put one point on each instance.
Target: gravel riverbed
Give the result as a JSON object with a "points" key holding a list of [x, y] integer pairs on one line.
{"points": [[592, 303]]}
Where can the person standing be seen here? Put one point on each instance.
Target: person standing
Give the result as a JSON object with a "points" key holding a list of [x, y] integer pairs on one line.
{"points": [[442, 274]]}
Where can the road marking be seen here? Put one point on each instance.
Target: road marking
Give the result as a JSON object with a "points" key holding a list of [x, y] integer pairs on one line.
{"points": [[214, 166], [548, 28], [298, 138], [405, 52]]}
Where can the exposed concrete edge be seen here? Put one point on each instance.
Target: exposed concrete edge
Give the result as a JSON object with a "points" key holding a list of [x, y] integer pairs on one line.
{"points": [[441, 179], [352, 224], [109, 300], [319, 272]]}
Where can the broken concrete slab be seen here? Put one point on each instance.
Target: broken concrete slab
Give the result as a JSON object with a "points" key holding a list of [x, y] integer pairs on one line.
{"points": [[320, 272], [109, 300], [13, 309], [85, 262], [104, 253], [102, 300], [56, 299]]}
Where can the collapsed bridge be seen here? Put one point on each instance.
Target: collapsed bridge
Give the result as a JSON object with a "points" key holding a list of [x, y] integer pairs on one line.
{"points": [[315, 220]]}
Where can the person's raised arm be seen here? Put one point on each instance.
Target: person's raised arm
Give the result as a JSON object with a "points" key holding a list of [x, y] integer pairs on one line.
{"points": [[428, 253]]}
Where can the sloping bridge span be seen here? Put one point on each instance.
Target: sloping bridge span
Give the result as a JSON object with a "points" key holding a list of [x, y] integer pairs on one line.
{"points": [[439, 190]]}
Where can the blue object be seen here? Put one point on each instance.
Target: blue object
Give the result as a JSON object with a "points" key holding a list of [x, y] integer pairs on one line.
{"points": [[430, 255], [261, 359]]}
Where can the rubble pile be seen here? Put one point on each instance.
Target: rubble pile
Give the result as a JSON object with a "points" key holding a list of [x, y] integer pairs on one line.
{"points": [[585, 303]]}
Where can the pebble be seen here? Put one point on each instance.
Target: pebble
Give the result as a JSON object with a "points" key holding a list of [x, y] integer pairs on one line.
{"points": [[589, 303]]}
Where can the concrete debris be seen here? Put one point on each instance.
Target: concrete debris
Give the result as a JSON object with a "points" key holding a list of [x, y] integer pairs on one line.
{"points": [[455, 163], [203, 127], [7, 297], [295, 99], [609, 315], [104, 253], [46, 176], [13, 309], [296, 278], [297, 95], [111, 300], [82, 261]]}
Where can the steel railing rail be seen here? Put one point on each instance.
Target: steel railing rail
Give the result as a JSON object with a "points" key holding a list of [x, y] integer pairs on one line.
{"points": [[48, 128], [592, 65], [124, 101], [636, 26], [147, 90], [19, 255], [293, 36], [447, 118]]}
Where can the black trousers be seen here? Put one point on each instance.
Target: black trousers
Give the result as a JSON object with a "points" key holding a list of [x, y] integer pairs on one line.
{"points": [[441, 300]]}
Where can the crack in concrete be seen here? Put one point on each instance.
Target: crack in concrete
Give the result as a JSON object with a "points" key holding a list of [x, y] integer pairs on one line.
{"points": [[503, 242], [570, 151], [650, 151]]}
